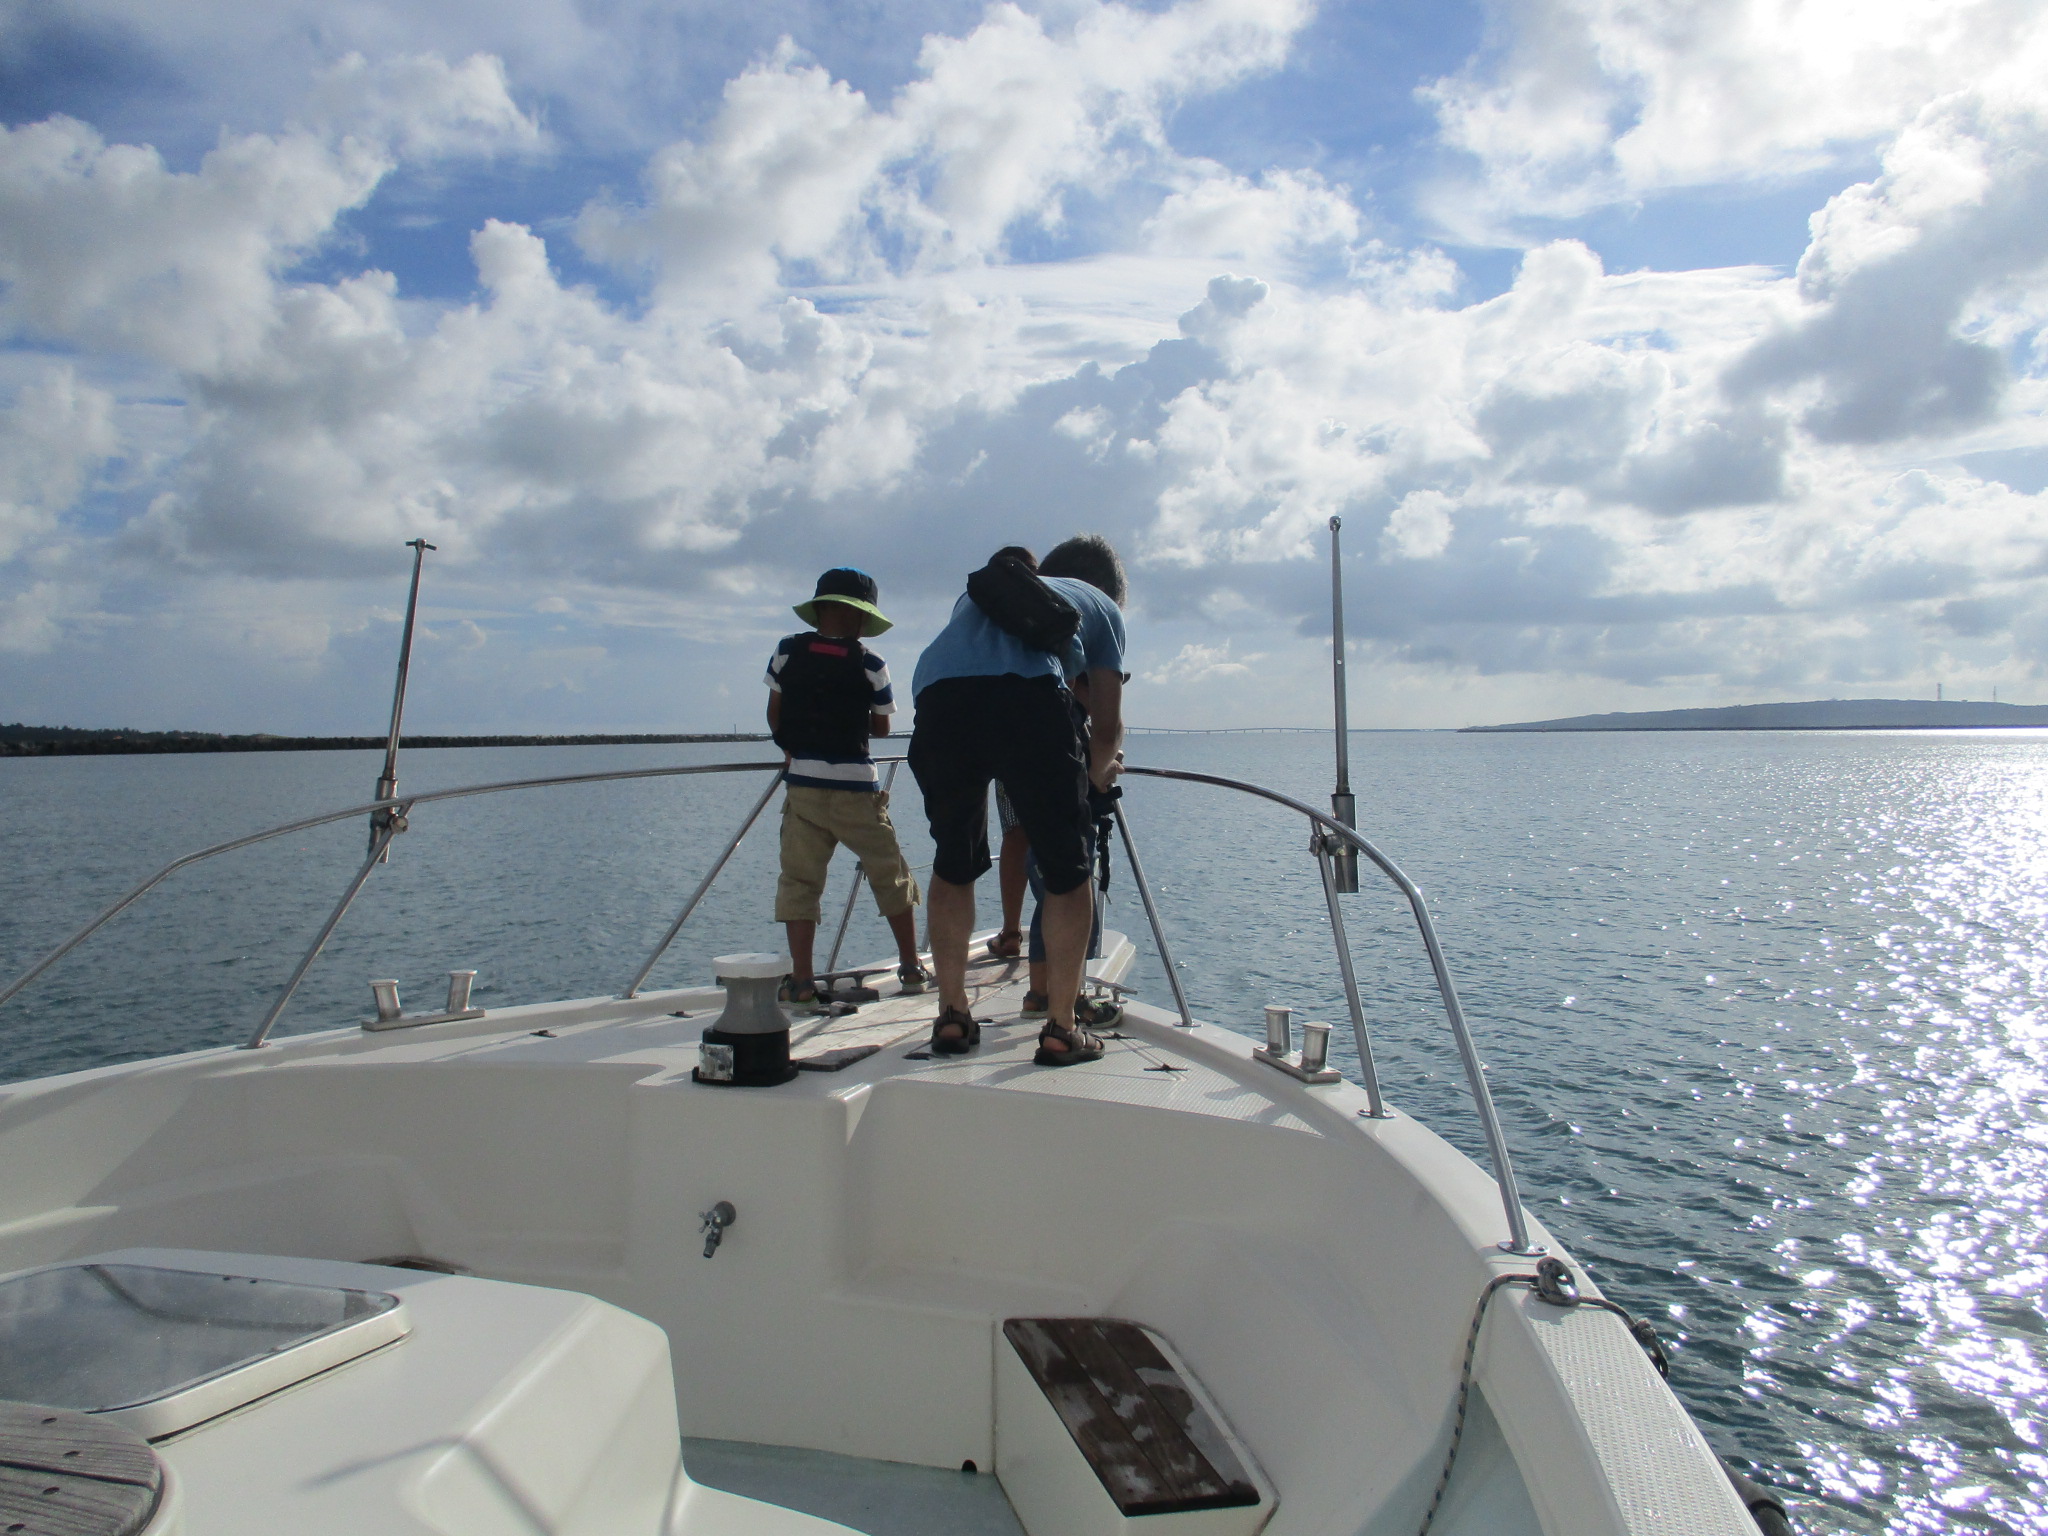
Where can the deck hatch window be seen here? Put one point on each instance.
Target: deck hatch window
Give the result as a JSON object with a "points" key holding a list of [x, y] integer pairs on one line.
{"points": [[161, 1349]]}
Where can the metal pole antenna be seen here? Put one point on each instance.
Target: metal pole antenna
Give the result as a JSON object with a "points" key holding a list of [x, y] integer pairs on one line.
{"points": [[1343, 805], [387, 782]]}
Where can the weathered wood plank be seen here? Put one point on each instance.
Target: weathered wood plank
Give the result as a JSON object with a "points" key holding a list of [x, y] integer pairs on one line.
{"points": [[1132, 1415], [35, 1438], [1125, 1474], [69, 1474], [63, 1504], [1181, 1471], [1169, 1389]]}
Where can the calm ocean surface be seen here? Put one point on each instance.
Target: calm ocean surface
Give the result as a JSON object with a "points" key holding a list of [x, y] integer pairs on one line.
{"points": [[1763, 1012]]}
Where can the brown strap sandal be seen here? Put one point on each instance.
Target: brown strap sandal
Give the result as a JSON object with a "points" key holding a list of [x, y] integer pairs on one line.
{"points": [[965, 1037], [1007, 945], [1073, 1045]]}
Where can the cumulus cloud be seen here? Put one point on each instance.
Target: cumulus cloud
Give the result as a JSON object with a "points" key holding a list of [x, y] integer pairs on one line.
{"points": [[1000, 301], [1918, 282], [800, 176], [1585, 102], [1195, 663], [52, 437], [104, 245]]}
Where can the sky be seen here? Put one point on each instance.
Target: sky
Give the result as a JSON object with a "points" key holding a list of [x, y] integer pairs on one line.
{"points": [[1653, 354]]}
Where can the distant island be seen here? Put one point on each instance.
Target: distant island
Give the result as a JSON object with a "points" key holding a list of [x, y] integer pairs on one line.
{"points": [[1816, 715], [70, 741]]}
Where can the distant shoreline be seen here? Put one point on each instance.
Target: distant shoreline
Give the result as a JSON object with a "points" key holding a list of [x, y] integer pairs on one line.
{"points": [[64, 741], [1812, 715]]}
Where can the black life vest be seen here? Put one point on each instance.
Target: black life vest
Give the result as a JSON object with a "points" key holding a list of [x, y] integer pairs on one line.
{"points": [[826, 698]]}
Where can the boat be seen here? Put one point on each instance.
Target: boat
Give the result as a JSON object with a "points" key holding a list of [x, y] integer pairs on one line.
{"points": [[670, 1263]]}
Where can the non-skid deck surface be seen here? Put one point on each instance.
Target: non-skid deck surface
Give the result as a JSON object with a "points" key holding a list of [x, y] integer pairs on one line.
{"points": [[880, 1498], [996, 986]]}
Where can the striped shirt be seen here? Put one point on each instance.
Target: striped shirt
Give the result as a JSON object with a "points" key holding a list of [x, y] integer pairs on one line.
{"points": [[837, 772]]}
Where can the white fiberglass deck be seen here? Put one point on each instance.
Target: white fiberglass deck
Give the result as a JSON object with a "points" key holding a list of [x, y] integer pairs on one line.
{"points": [[1316, 1270]]}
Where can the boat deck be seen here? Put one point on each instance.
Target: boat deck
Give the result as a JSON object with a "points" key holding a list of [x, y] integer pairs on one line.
{"points": [[1144, 1066], [877, 1498]]}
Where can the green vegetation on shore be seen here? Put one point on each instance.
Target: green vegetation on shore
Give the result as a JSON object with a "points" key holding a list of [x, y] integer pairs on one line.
{"points": [[70, 741]]}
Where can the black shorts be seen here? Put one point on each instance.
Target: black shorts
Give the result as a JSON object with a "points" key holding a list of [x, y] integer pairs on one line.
{"points": [[1026, 734]]}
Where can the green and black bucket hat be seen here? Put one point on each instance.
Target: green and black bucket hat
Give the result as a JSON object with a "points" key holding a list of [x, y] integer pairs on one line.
{"points": [[856, 589]]}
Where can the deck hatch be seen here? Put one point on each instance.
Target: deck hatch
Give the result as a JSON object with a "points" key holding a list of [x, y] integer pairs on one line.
{"points": [[159, 1350], [1145, 1434]]}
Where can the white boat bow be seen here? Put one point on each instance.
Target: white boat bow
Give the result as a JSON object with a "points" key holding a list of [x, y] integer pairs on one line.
{"points": [[1174, 1291]]}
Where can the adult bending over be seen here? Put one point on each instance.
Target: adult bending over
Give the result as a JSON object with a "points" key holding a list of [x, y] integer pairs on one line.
{"points": [[990, 707]]}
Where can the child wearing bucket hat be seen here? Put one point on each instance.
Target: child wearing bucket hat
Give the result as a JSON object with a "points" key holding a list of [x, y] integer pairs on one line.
{"points": [[828, 694]]}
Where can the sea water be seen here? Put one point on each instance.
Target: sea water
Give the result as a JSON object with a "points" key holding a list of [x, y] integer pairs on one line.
{"points": [[1762, 1012]]}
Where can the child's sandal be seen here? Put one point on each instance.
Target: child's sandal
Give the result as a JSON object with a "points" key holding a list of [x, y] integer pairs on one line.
{"points": [[1076, 1045], [1098, 1012]]}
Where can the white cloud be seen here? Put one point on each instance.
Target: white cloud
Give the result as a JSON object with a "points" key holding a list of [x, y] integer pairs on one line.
{"points": [[1919, 282], [106, 246], [837, 350], [418, 107], [29, 619], [799, 176], [1282, 217], [1419, 528], [1196, 663], [52, 437], [1595, 101]]}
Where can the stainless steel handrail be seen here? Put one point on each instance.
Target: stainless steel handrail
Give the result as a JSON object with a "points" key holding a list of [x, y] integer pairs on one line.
{"points": [[1180, 997], [1475, 1072], [703, 887], [310, 822], [390, 826]]}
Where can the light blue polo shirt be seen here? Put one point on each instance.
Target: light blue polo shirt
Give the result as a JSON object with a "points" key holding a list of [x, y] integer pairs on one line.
{"points": [[971, 645]]}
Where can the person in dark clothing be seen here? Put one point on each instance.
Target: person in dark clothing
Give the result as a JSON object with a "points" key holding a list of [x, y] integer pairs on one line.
{"points": [[992, 708], [828, 694]]}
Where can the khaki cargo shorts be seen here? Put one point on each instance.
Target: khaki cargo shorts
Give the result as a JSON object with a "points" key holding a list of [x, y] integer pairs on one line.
{"points": [[816, 821]]}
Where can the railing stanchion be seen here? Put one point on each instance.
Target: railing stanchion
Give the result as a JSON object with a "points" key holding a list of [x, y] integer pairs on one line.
{"points": [[676, 927], [394, 825], [859, 874], [1326, 862], [1475, 1073], [1475, 1077], [1180, 998]]}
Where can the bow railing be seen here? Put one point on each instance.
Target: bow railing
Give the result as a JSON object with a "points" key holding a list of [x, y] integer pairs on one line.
{"points": [[1328, 838]]}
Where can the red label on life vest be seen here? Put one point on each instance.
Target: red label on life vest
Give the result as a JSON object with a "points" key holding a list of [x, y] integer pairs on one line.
{"points": [[823, 649]]}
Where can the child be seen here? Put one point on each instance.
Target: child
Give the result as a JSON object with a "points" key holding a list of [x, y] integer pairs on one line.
{"points": [[828, 694]]}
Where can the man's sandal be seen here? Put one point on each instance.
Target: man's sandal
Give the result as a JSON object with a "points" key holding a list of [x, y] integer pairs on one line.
{"points": [[1007, 945], [966, 1037], [1036, 1005], [1075, 1045]]}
